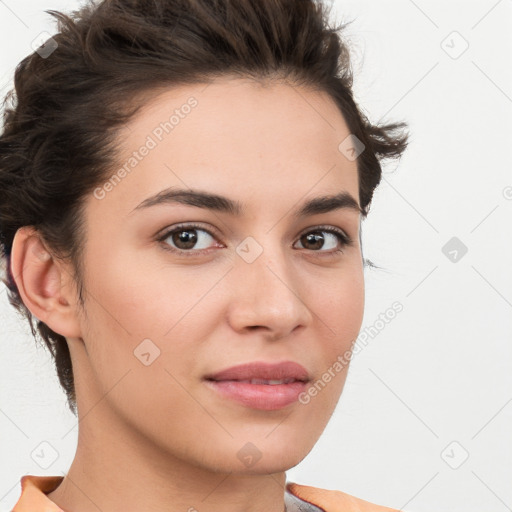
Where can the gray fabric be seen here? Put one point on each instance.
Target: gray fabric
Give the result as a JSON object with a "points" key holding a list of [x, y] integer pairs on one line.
{"points": [[295, 504]]}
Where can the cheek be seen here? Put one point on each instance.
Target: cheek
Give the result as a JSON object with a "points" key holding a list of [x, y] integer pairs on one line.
{"points": [[350, 306], [149, 299], [339, 304], [134, 309]]}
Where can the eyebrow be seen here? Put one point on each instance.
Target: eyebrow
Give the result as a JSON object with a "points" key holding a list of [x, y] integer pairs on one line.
{"points": [[209, 201]]}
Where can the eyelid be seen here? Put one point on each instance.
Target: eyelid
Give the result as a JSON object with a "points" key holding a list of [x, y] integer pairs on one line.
{"points": [[164, 233], [329, 228]]}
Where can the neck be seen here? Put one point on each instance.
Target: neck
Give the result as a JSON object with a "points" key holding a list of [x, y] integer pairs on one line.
{"points": [[109, 477], [117, 468]]}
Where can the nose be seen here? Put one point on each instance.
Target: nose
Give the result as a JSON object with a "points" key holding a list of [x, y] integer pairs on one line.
{"points": [[265, 296]]}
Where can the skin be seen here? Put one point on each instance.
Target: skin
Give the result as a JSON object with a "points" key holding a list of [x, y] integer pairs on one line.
{"points": [[155, 437]]}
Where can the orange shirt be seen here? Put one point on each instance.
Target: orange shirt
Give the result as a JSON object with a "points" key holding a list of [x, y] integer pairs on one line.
{"points": [[301, 498]]}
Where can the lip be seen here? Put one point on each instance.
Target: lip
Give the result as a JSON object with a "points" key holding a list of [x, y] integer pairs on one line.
{"points": [[229, 383], [262, 370]]}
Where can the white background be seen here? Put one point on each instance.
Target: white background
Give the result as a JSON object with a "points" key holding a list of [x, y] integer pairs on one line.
{"points": [[435, 384]]}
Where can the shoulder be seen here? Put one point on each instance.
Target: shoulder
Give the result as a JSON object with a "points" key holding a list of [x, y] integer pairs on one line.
{"points": [[34, 490], [334, 501]]}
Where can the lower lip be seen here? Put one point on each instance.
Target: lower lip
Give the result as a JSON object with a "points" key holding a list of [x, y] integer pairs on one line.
{"points": [[267, 397]]}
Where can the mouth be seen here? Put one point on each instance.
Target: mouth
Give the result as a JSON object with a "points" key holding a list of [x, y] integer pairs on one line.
{"points": [[261, 386], [268, 373], [266, 382]]}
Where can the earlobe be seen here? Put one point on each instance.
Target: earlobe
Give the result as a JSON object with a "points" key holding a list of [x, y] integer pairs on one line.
{"points": [[43, 283]]}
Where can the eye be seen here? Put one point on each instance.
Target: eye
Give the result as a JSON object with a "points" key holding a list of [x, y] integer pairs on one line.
{"points": [[315, 239], [182, 239], [189, 239]]}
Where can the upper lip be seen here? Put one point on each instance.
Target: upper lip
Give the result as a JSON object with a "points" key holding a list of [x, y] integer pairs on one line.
{"points": [[262, 370]]}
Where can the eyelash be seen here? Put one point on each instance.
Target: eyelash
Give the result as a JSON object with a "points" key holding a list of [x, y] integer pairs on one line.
{"points": [[344, 239]]}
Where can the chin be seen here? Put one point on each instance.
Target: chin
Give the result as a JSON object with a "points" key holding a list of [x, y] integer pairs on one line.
{"points": [[256, 457], [273, 457], [266, 466]]}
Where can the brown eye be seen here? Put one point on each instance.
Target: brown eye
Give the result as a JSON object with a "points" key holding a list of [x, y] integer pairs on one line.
{"points": [[187, 239], [314, 240], [184, 239], [329, 239]]}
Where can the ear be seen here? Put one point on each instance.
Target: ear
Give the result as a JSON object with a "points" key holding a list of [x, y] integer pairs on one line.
{"points": [[44, 283]]}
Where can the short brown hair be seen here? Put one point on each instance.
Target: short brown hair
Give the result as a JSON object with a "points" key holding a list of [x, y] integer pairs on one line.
{"points": [[60, 120]]}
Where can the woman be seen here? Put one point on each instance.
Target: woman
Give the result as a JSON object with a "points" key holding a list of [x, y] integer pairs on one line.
{"points": [[182, 189]]}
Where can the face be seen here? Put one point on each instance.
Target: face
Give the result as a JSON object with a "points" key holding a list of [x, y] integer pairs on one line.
{"points": [[181, 287]]}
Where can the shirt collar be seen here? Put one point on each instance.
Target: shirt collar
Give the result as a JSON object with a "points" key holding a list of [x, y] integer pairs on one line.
{"points": [[34, 490], [33, 494]]}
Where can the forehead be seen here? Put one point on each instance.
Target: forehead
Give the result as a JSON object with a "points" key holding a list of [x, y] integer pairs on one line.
{"points": [[234, 135], [253, 115]]}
